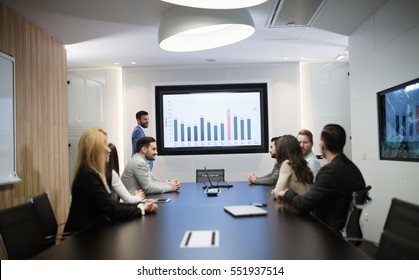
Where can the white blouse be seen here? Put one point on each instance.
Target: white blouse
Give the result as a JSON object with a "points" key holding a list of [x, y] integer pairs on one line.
{"points": [[119, 188]]}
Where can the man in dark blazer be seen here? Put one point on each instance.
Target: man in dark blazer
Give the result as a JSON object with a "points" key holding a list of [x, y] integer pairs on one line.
{"points": [[330, 196]]}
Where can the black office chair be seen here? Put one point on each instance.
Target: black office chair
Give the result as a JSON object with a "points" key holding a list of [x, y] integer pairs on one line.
{"points": [[47, 219], [352, 230], [215, 175], [20, 232], [400, 236]]}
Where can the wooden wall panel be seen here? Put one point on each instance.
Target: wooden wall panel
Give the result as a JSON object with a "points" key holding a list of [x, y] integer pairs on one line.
{"points": [[41, 113]]}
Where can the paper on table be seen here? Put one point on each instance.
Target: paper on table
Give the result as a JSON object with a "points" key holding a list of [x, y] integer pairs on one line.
{"points": [[200, 239]]}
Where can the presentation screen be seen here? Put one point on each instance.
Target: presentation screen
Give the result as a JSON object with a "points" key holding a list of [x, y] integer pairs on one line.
{"points": [[398, 116], [212, 119]]}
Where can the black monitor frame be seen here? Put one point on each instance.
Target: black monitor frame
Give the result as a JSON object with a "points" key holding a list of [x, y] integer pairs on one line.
{"points": [[260, 88], [398, 122]]}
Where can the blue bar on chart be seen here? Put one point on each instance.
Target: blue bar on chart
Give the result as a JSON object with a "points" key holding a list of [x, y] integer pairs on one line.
{"points": [[209, 131], [175, 130], [222, 131], [202, 128], [249, 129], [235, 128], [189, 133], [182, 132], [215, 132], [241, 129], [195, 133]]}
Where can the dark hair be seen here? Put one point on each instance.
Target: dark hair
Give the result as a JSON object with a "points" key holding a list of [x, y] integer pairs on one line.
{"points": [[334, 138], [140, 114], [144, 142], [288, 148], [274, 139], [307, 133], [112, 164]]}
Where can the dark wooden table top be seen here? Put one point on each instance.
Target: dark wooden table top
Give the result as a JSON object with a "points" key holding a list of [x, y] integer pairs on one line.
{"points": [[282, 234]]}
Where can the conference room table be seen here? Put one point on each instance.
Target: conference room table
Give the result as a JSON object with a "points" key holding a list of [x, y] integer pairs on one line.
{"points": [[282, 234]]}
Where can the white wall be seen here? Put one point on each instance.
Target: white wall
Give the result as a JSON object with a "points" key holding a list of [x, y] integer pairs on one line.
{"points": [[283, 110], [383, 53], [325, 99]]}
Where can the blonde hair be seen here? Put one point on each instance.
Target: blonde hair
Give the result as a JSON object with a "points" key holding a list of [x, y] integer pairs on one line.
{"points": [[90, 153]]}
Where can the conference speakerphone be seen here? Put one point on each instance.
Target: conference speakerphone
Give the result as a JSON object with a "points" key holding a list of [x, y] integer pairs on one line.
{"points": [[212, 192], [211, 189]]}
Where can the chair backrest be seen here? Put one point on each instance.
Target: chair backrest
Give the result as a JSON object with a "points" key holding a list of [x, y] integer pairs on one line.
{"points": [[400, 236], [21, 232], [46, 217], [216, 175], [353, 228]]}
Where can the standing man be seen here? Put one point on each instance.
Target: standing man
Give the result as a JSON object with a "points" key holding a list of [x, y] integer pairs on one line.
{"points": [[330, 196], [272, 177], [305, 138], [137, 174], [138, 132]]}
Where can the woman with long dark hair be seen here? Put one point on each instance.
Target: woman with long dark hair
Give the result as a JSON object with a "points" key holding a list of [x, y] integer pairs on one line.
{"points": [[294, 172], [119, 191]]}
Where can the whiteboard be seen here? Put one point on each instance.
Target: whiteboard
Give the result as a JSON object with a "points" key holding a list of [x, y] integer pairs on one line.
{"points": [[7, 121]]}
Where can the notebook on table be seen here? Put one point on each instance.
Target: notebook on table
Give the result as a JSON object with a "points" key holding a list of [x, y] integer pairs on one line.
{"points": [[245, 210]]}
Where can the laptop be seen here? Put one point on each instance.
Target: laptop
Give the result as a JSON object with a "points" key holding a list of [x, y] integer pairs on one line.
{"points": [[245, 210]]}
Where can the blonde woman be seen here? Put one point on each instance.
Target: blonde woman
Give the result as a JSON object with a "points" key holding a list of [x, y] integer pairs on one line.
{"points": [[91, 196]]}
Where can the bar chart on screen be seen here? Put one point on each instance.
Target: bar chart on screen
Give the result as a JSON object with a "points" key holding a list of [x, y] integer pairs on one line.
{"points": [[213, 119]]}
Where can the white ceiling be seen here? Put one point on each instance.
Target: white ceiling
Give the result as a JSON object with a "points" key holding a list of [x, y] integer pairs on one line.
{"points": [[99, 33]]}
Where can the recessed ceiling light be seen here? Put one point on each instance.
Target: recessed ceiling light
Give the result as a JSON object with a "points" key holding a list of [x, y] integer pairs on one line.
{"points": [[217, 4], [116, 63], [133, 62]]}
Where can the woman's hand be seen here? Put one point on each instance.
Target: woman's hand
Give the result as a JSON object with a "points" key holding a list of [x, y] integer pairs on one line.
{"points": [[140, 194]]}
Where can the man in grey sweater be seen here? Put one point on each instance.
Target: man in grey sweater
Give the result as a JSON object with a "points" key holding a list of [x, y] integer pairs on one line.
{"points": [[137, 174], [272, 177]]}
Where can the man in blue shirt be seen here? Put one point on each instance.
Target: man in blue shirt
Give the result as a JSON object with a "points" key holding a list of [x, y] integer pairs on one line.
{"points": [[138, 132]]}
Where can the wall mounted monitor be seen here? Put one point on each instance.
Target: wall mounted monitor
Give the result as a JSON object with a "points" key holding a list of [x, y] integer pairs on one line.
{"points": [[398, 118], [212, 119]]}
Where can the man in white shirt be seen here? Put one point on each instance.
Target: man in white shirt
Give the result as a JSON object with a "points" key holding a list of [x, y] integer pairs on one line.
{"points": [[137, 174], [305, 138]]}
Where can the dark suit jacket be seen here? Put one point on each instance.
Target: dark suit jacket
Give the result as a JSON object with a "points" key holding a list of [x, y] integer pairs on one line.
{"points": [[331, 194], [90, 203]]}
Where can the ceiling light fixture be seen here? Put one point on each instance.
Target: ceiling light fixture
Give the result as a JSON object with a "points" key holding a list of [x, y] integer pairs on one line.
{"points": [[217, 4], [185, 29]]}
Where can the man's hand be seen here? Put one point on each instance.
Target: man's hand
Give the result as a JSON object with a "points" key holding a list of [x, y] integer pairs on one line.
{"points": [[251, 177], [175, 184]]}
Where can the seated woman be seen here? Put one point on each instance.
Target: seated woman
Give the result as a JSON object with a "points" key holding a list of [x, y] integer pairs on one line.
{"points": [[114, 181], [91, 197], [294, 172]]}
